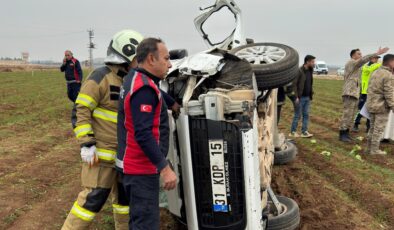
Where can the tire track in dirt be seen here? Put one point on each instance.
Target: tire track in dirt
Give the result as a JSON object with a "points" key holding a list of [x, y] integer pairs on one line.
{"points": [[318, 200], [366, 196]]}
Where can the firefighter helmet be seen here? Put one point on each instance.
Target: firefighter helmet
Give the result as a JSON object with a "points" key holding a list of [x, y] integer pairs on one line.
{"points": [[123, 47]]}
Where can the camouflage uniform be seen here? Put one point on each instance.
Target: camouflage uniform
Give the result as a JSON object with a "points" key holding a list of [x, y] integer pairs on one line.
{"points": [[97, 107], [350, 108], [379, 103], [351, 90]]}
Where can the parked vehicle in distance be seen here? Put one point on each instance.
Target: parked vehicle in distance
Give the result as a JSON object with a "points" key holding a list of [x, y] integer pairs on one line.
{"points": [[321, 68], [341, 71]]}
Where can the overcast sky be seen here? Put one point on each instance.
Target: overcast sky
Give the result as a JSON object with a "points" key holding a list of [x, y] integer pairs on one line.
{"points": [[327, 29]]}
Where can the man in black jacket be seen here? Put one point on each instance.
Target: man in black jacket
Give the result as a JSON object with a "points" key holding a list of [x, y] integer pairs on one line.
{"points": [[73, 74], [303, 92]]}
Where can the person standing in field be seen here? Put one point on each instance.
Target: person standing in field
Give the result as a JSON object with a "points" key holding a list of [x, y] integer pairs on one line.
{"points": [[367, 71], [73, 74], [284, 91], [143, 135], [96, 132], [303, 93], [351, 90], [379, 103]]}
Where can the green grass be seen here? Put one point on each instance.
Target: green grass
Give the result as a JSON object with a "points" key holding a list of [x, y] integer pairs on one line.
{"points": [[32, 100], [34, 118]]}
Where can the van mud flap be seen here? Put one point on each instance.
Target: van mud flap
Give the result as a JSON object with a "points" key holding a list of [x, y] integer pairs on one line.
{"points": [[216, 148]]}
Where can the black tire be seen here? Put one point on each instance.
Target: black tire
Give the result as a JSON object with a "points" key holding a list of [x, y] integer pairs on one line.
{"points": [[287, 155], [274, 75], [289, 220]]}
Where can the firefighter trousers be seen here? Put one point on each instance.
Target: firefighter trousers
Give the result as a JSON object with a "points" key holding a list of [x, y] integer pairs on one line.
{"points": [[98, 182]]}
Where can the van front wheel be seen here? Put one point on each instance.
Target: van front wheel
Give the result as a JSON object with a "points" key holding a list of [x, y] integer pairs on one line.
{"points": [[273, 64], [289, 219]]}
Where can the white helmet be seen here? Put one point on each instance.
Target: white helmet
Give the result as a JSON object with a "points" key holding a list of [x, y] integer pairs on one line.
{"points": [[123, 47]]}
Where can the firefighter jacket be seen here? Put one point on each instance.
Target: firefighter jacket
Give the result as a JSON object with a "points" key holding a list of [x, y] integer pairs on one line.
{"points": [[381, 91], [367, 71], [351, 86], [97, 107]]}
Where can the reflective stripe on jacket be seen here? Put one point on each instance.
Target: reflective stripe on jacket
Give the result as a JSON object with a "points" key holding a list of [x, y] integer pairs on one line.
{"points": [[97, 107]]}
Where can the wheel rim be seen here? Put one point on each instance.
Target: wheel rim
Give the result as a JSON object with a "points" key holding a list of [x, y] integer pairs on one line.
{"points": [[261, 54], [284, 210]]}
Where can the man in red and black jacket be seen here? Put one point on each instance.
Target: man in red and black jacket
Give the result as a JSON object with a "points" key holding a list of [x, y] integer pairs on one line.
{"points": [[73, 74], [143, 135]]}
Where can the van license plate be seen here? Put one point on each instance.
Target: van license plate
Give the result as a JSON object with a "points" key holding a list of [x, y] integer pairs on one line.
{"points": [[218, 178]]}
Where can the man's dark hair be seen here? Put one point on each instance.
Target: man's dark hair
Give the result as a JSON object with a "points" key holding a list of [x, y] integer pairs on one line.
{"points": [[353, 52], [387, 58], [308, 58], [146, 47]]}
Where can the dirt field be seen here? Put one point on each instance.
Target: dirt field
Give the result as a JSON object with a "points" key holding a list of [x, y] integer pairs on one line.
{"points": [[340, 191], [39, 163], [23, 68]]}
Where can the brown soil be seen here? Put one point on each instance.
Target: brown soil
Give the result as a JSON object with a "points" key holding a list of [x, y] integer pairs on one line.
{"points": [[40, 170], [23, 67], [330, 195], [320, 205]]}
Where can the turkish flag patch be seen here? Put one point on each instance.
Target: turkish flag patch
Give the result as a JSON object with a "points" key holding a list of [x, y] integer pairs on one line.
{"points": [[146, 108]]}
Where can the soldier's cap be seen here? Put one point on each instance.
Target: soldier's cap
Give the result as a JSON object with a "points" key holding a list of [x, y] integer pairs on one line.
{"points": [[376, 56]]}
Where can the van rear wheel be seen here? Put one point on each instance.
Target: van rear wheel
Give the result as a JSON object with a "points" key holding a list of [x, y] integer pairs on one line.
{"points": [[286, 155]]}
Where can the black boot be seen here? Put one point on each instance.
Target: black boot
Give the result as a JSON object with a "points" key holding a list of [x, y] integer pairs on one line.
{"points": [[348, 135], [344, 136]]}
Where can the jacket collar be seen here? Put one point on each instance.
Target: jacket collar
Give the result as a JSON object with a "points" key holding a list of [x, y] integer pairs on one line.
{"points": [[305, 69], [150, 75], [72, 60], [118, 70], [387, 68]]}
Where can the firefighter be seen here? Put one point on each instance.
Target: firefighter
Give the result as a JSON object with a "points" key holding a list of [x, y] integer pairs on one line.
{"points": [[96, 124]]}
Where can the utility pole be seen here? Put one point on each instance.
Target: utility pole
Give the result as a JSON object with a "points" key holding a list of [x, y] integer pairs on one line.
{"points": [[91, 46]]}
